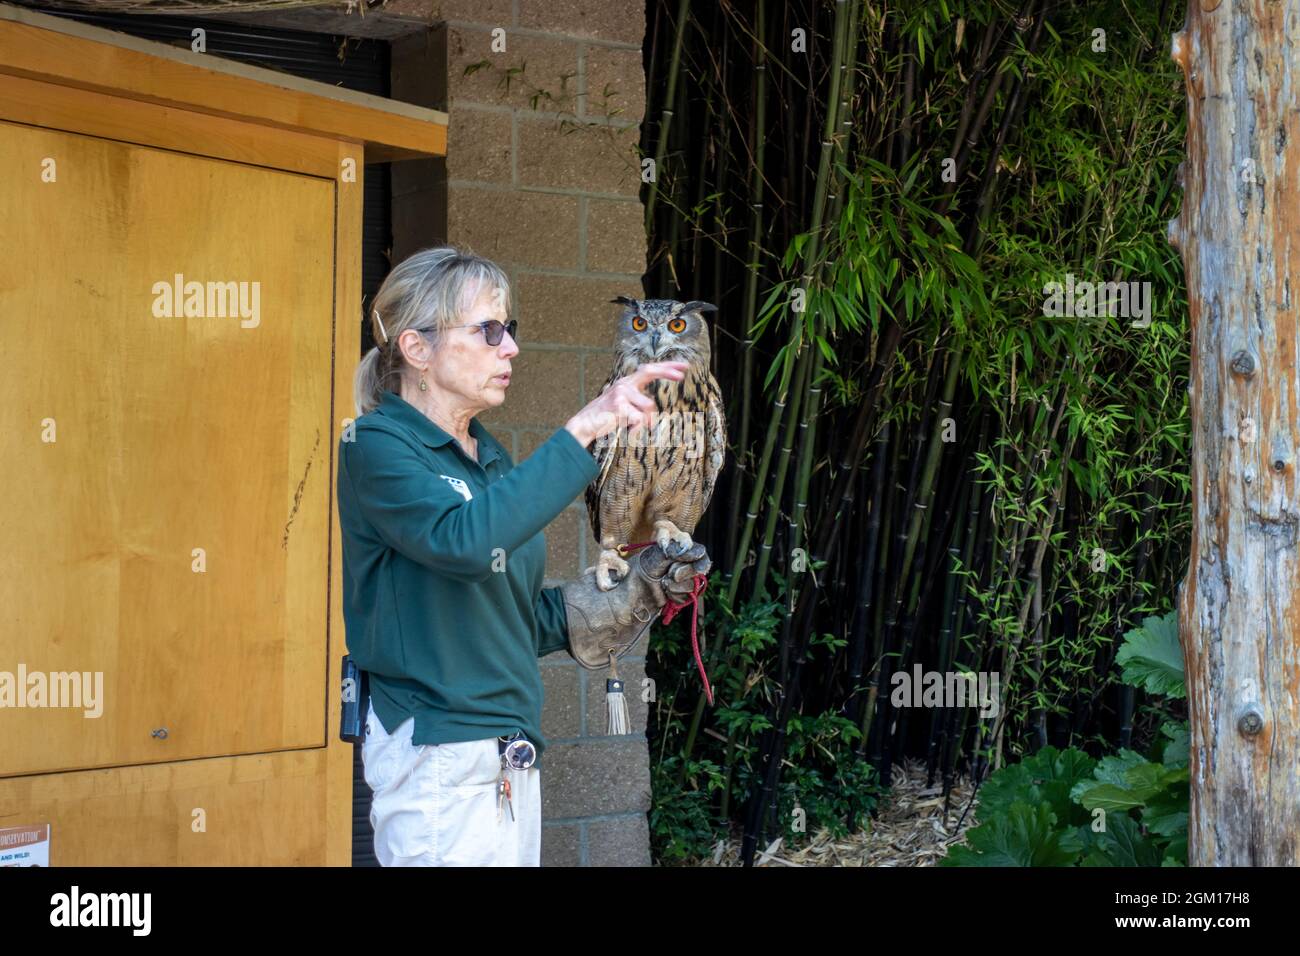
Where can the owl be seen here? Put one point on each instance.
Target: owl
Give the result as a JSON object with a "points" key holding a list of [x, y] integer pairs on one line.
{"points": [[655, 485]]}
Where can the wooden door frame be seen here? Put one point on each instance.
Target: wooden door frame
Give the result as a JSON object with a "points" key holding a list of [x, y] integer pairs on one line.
{"points": [[70, 53]]}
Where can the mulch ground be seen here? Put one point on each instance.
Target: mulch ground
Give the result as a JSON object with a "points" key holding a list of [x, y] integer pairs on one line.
{"points": [[910, 829]]}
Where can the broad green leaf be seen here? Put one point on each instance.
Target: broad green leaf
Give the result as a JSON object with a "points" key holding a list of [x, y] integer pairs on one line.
{"points": [[1152, 657], [1123, 844], [1178, 749], [1023, 836], [1127, 784], [1046, 777]]}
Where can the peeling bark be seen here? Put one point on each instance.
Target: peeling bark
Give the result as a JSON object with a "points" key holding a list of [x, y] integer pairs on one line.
{"points": [[1239, 234]]}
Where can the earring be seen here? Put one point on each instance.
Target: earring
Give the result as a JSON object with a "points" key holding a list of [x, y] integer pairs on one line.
{"points": [[424, 386]]}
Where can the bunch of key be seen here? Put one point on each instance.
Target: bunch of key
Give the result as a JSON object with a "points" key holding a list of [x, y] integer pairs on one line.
{"points": [[517, 753]]}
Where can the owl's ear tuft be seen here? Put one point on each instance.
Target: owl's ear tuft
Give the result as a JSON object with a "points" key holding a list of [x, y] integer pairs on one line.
{"points": [[623, 300], [695, 305]]}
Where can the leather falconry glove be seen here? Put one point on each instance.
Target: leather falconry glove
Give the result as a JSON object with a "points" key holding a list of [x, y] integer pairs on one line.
{"points": [[605, 625]]}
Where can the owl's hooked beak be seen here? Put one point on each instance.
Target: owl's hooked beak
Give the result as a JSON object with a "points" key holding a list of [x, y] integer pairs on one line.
{"points": [[654, 342]]}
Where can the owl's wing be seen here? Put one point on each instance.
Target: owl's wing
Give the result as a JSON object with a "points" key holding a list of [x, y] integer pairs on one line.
{"points": [[603, 452], [715, 439]]}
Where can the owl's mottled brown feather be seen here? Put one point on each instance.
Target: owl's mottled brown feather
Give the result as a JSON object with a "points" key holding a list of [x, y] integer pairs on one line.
{"points": [[669, 475]]}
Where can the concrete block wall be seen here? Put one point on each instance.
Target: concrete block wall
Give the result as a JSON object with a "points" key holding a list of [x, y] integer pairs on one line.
{"points": [[542, 176]]}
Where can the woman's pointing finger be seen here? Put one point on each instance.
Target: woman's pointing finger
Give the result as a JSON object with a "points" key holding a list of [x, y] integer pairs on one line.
{"points": [[645, 374]]}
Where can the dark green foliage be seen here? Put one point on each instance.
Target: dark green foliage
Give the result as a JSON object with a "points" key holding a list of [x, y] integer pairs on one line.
{"points": [[1131, 812], [1048, 777], [682, 826], [1025, 835], [828, 785], [1033, 505], [1066, 809]]}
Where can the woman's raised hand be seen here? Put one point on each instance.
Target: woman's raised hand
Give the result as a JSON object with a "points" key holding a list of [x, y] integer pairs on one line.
{"points": [[624, 402]]}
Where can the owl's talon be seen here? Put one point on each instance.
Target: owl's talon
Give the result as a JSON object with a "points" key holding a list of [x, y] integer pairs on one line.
{"points": [[670, 539], [609, 562]]}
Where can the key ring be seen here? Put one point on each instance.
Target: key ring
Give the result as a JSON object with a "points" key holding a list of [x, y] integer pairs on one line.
{"points": [[517, 751]]}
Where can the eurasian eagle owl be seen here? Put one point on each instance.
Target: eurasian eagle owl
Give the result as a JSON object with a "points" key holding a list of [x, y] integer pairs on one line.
{"points": [[656, 484]]}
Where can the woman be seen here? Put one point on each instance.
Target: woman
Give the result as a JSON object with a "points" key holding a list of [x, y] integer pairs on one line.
{"points": [[443, 560]]}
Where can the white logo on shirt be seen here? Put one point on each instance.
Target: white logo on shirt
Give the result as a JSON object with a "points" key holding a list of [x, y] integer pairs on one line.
{"points": [[459, 486]]}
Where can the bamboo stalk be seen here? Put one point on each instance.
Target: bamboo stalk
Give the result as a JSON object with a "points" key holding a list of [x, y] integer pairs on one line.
{"points": [[749, 305], [803, 612], [877, 712], [811, 261], [1035, 573], [665, 118], [778, 481], [894, 594], [947, 622], [669, 283], [871, 544]]}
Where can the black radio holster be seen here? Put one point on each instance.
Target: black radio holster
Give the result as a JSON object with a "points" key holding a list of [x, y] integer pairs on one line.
{"points": [[355, 702]]}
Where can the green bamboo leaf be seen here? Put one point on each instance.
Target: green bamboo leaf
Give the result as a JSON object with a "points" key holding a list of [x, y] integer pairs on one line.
{"points": [[826, 349], [777, 364]]}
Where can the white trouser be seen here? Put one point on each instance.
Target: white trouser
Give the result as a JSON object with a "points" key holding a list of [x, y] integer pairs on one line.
{"points": [[436, 804]]}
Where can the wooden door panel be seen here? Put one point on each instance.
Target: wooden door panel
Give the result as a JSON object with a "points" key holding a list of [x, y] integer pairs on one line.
{"points": [[172, 432], [261, 810]]}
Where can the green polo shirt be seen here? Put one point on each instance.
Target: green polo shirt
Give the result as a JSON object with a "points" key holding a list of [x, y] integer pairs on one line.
{"points": [[443, 561]]}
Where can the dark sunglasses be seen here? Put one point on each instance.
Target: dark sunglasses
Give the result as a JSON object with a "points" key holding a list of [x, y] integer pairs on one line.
{"points": [[492, 329]]}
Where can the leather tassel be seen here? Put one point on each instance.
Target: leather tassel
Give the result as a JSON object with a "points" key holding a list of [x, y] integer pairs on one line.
{"points": [[615, 702]]}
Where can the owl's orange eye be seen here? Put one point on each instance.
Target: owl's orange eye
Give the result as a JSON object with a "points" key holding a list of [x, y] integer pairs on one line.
{"points": [[638, 324], [677, 325]]}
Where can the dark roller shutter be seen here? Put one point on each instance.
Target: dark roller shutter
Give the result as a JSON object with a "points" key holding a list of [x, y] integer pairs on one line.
{"points": [[355, 64]]}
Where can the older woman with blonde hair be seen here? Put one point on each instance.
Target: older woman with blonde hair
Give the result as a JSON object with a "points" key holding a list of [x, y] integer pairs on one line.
{"points": [[443, 562]]}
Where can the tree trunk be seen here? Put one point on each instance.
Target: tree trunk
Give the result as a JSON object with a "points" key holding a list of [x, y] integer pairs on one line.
{"points": [[1239, 233]]}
